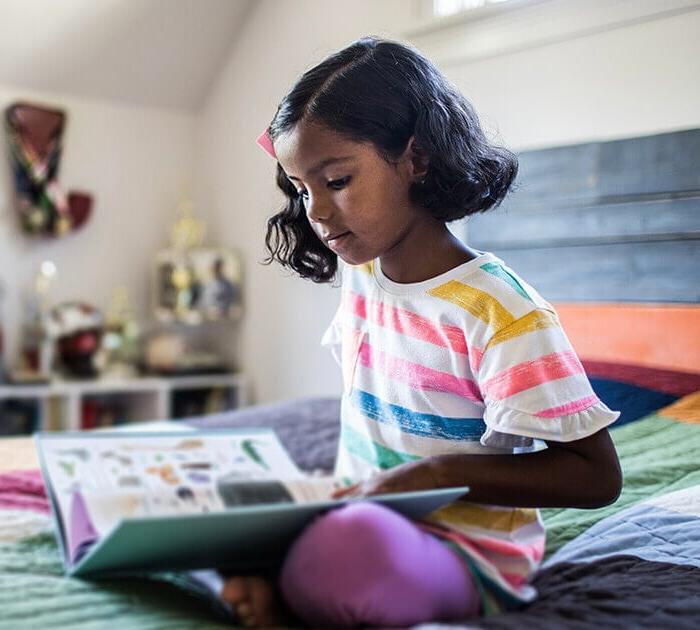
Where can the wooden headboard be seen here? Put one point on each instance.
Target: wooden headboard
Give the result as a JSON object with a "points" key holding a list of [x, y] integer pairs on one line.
{"points": [[610, 232]]}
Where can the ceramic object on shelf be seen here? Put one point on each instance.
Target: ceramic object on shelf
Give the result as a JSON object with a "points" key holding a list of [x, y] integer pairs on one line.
{"points": [[77, 328]]}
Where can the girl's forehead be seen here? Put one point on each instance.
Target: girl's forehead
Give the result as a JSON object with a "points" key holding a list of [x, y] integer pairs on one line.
{"points": [[305, 146], [309, 134]]}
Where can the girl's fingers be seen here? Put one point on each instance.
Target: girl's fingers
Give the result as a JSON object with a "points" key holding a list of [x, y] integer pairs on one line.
{"points": [[344, 492]]}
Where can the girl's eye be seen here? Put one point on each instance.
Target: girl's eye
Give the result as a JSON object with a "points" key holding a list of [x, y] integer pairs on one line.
{"points": [[337, 184]]}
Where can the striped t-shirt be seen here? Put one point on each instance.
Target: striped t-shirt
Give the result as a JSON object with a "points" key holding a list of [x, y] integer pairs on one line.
{"points": [[472, 361]]}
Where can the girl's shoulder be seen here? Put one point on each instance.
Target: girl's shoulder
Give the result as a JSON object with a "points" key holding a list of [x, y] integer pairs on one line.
{"points": [[497, 280], [490, 296]]}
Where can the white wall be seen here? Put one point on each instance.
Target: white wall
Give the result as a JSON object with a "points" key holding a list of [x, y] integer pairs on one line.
{"points": [[637, 79], [285, 316], [619, 83], [134, 161]]}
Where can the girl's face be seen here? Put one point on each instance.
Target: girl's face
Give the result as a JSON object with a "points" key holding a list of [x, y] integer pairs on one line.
{"points": [[356, 202]]}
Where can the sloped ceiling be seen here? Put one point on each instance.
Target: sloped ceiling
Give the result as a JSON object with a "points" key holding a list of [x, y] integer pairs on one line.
{"points": [[160, 53]]}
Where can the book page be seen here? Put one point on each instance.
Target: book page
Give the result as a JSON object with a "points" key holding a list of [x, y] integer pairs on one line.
{"points": [[314, 490], [126, 476], [239, 492]]}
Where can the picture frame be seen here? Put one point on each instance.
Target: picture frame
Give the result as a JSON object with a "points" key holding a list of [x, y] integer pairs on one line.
{"points": [[202, 285]]}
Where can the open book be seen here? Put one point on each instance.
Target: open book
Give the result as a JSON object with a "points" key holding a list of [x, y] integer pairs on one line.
{"points": [[143, 501]]}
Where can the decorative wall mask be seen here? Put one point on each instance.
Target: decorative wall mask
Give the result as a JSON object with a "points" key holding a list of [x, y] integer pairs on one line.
{"points": [[34, 135]]}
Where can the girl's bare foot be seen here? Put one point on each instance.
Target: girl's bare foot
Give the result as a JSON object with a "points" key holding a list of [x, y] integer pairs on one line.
{"points": [[257, 602]]}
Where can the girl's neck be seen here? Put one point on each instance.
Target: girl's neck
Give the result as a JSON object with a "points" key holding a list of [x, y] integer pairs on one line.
{"points": [[426, 251]]}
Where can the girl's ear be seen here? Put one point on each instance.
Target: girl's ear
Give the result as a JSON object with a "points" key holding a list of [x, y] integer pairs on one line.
{"points": [[417, 159]]}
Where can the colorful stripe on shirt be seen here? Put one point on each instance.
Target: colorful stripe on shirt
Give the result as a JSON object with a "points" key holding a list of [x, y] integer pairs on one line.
{"points": [[529, 374], [407, 323], [418, 376], [424, 424], [372, 452]]}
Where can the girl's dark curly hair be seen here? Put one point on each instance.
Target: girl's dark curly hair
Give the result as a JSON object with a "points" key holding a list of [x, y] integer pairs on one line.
{"points": [[384, 92]]}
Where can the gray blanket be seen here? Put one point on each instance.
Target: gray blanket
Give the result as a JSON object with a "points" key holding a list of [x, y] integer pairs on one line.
{"points": [[294, 422]]}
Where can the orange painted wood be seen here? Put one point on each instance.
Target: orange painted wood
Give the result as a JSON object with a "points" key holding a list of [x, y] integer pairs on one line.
{"points": [[654, 335]]}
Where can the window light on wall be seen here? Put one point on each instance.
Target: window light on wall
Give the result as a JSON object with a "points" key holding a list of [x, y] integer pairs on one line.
{"points": [[443, 8]]}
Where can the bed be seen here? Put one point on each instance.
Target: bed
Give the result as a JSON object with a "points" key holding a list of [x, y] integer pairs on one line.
{"points": [[635, 563]]}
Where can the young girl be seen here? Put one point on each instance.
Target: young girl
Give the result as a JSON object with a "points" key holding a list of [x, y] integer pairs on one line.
{"points": [[456, 371]]}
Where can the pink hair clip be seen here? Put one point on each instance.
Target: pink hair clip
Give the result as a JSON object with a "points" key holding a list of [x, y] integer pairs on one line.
{"points": [[266, 143]]}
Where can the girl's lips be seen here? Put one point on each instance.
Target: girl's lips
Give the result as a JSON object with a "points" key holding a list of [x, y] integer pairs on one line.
{"points": [[337, 240]]}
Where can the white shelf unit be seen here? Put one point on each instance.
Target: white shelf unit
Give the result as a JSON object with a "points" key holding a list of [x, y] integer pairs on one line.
{"points": [[146, 398]]}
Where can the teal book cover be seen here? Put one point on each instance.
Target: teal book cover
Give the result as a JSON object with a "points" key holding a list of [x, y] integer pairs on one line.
{"points": [[132, 502]]}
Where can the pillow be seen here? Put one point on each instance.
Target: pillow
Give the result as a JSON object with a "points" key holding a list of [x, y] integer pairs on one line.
{"points": [[636, 390]]}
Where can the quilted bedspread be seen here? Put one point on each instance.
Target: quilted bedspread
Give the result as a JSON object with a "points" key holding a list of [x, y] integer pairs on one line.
{"points": [[659, 453], [639, 568], [633, 564]]}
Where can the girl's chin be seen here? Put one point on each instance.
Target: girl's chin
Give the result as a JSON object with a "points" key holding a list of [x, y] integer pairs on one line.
{"points": [[354, 260], [351, 251]]}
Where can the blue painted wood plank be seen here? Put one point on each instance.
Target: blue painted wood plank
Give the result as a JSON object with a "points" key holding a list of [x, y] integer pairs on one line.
{"points": [[629, 272], [667, 219]]}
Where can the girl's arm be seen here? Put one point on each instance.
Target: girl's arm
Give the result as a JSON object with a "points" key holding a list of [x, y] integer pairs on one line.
{"points": [[584, 473]]}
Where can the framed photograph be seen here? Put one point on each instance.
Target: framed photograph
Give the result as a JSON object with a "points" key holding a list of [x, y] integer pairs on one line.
{"points": [[205, 284]]}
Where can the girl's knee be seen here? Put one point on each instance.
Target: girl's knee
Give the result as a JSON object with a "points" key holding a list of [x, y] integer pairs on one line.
{"points": [[353, 531], [345, 564], [360, 515]]}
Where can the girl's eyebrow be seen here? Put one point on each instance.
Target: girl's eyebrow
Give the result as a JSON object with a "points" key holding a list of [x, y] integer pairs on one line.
{"points": [[322, 164]]}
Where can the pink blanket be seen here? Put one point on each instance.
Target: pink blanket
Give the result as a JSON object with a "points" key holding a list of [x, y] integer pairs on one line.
{"points": [[23, 490]]}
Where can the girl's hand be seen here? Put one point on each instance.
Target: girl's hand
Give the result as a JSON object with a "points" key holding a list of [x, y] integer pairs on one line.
{"points": [[404, 478]]}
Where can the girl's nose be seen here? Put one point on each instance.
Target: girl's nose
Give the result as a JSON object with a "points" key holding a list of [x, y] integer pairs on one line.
{"points": [[316, 209]]}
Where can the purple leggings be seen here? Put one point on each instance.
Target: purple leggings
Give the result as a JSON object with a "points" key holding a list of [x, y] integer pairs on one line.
{"points": [[364, 564]]}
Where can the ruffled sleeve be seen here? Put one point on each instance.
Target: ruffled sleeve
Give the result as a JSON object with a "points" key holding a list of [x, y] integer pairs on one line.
{"points": [[534, 386], [333, 337]]}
